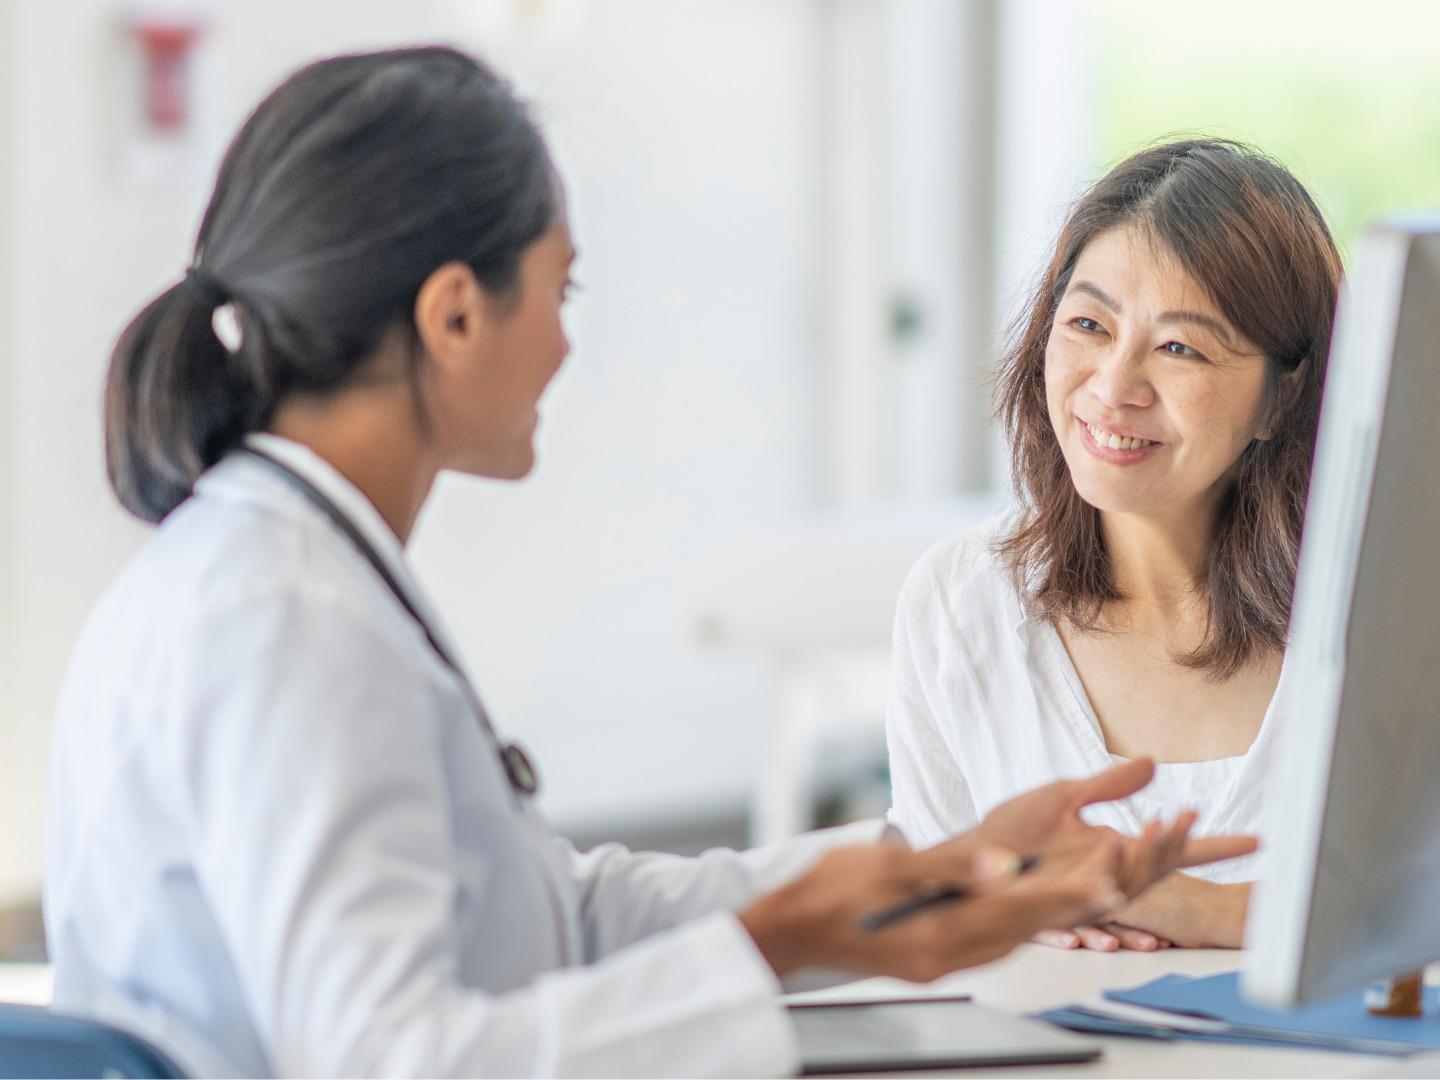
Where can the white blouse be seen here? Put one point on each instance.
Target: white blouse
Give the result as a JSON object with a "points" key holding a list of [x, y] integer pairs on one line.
{"points": [[985, 704]]}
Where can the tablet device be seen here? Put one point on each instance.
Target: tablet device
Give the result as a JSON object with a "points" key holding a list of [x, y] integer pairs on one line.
{"points": [[926, 1033]]}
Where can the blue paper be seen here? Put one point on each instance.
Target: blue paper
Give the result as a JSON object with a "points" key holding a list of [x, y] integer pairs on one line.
{"points": [[1218, 998], [1090, 1023]]}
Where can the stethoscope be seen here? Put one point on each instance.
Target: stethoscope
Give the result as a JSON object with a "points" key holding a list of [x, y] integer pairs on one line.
{"points": [[524, 781]]}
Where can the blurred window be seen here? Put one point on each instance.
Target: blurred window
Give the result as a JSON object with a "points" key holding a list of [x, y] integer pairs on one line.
{"points": [[1347, 95]]}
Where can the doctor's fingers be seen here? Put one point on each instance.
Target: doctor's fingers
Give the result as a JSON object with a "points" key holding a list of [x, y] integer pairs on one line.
{"points": [[1159, 850], [1154, 853], [1117, 782], [988, 927], [963, 862], [1209, 849], [1142, 861], [1054, 895], [881, 873], [849, 882]]}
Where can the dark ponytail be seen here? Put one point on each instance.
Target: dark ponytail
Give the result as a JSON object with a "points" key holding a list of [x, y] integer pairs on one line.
{"points": [[171, 408], [344, 190]]}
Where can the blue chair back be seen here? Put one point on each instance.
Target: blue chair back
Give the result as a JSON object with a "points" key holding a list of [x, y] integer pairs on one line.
{"points": [[39, 1043]]}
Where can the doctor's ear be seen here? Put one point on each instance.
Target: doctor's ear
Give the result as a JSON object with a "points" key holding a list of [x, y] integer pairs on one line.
{"points": [[453, 314]]}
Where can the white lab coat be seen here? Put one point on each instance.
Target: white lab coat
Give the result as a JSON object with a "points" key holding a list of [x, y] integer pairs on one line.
{"points": [[280, 841]]}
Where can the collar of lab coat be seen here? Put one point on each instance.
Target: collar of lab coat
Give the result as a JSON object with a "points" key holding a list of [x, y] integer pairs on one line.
{"points": [[361, 512]]}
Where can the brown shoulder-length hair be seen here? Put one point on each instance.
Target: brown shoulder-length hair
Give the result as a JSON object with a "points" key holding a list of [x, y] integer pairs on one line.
{"points": [[1250, 234]]}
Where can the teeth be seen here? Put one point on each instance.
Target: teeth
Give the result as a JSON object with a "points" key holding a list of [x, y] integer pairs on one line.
{"points": [[1116, 442]]}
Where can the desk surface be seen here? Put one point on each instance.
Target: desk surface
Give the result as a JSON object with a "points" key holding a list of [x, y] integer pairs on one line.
{"points": [[1035, 977], [29, 984], [1031, 979]]}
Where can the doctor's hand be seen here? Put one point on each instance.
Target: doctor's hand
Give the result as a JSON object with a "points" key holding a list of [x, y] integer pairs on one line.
{"points": [[815, 921], [1047, 822]]}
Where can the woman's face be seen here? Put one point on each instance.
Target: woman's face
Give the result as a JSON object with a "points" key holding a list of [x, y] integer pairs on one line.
{"points": [[1152, 393], [506, 351]]}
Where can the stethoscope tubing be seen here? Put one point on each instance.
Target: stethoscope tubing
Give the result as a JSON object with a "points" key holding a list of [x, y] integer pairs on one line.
{"points": [[514, 762]]}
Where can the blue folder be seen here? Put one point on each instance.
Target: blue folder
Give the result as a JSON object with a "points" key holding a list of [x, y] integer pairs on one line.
{"points": [[1338, 1024], [1081, 1019], [1218, 998]]}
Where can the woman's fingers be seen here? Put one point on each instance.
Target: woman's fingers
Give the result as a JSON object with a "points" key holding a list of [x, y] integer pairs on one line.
{"points": [[1131, 938], [1096, 939], [1106, 938], [1058, 939]]}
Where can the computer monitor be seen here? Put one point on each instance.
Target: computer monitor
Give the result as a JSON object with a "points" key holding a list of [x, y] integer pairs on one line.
{"points": [[1350, 875]]}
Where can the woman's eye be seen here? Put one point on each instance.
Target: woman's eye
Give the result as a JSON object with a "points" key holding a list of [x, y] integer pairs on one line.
{"points": [[1090, 326], [1179, 348]]}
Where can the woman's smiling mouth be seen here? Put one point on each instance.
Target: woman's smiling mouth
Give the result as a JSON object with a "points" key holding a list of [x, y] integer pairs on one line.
{"points": [[1115, 448]]}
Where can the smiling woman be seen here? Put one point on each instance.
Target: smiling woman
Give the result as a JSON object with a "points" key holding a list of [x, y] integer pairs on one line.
{"points": [[1232, 265], [1161, 396]]}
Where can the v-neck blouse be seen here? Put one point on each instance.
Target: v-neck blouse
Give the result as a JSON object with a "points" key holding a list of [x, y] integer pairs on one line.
{"points": [[985, 704]]}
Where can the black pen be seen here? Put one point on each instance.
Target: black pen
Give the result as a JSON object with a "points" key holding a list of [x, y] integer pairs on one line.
{"points": [[879, 920]]}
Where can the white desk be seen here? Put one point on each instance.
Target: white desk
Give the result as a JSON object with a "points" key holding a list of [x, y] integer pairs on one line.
{"points": [[28, 984], [1035, 977]]}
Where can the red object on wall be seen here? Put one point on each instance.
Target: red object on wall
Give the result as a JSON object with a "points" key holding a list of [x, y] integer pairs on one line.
{"points": [[166, 49]]}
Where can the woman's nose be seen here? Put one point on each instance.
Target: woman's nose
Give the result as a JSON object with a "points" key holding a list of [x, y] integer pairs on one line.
{"points": [[1120, 379]]}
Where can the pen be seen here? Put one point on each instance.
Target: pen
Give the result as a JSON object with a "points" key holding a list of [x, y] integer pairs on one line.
{"points": [[879, 920]]}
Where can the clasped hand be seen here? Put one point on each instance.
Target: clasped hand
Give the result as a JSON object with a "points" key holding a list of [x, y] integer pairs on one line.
{"points": [[1084, 873]]}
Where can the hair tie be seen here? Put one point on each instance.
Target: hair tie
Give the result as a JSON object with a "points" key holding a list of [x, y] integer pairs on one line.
{"points": [[206, 287], [216, 299]]}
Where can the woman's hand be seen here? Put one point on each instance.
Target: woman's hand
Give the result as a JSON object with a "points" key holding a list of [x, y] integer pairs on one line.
{"points": [[1180, 910], [1191, 912], [1106, 937], [815, 920]]}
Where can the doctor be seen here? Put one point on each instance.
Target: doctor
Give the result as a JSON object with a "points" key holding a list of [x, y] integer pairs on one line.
{"points": [[284, 836]]}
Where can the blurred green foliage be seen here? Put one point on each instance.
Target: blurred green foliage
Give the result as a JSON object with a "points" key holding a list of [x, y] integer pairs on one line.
{"points": [[1345, 94]]}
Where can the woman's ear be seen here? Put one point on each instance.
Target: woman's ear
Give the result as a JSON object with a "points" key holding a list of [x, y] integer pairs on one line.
{"points": [[1287, 392], [451, 315]]}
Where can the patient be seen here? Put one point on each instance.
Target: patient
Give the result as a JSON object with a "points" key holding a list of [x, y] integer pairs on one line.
{"points": [[1160, 395]]}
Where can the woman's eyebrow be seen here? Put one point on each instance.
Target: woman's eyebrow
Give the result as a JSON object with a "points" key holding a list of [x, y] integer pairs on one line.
{"points": [[1089, 288], [1195, 318], [1215, 326]]}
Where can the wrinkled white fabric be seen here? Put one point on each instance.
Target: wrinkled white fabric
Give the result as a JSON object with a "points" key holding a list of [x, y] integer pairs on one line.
{"points": [[985, 704], [280, 842]]}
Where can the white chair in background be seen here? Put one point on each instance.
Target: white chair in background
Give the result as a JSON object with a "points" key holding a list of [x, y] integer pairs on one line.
{"points": [[817, 603]]}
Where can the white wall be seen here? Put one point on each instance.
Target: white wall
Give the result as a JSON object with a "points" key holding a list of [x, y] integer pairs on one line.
{"points": [[11, 731], [684, 417], [956, 133], [686, 130], [1047, 135]]}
